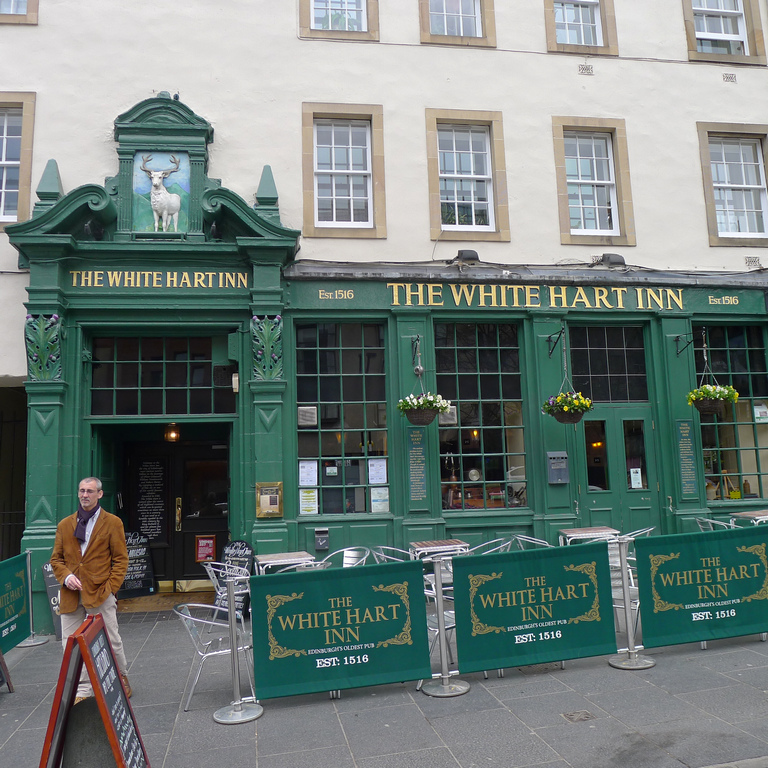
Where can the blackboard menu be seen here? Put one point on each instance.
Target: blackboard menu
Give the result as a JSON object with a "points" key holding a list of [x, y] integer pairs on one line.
{"points": [[89, 645], [239, 553], [140, 577], [151, 498], [52, 588], [120, 715]]}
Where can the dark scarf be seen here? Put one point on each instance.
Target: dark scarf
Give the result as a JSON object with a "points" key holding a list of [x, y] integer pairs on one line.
{"points": [[82, 521]]}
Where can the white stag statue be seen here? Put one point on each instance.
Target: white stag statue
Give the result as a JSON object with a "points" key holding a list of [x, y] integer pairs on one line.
{"points": [[165, 204]]}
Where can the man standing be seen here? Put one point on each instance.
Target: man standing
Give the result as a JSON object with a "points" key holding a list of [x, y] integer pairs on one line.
{"points": [[90, 560]]}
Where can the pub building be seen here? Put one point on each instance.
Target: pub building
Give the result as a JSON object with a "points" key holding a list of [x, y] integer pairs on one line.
{"points": [[224, 388]]}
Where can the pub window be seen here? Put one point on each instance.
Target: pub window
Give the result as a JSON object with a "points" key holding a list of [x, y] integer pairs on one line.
{"points": [[482, 447], [342, 436], [608, 363], [735, 458], [168, 376]]}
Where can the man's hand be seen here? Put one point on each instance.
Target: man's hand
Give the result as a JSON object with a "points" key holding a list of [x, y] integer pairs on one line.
{"points": [[72, 582]]}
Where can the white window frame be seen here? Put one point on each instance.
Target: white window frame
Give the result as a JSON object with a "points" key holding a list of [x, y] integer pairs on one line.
{"points": [[343, 8], [439, 12], [584, 181], [703, 10], [449, 173], [337, 173], [732, 220], [596, 24], [6, 164]]}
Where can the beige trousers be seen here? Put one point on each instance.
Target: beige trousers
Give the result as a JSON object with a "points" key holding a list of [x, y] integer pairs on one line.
{"points": [[71, 621]]}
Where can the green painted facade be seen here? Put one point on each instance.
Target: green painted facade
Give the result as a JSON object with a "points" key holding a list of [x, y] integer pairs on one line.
{"points": [[97, 269]]}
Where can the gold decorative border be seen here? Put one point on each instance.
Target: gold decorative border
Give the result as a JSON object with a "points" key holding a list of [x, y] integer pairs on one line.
{"points": [[404, 636], [478, 628], [276, 651], [590, 569], [658, 603], [759, 550]]}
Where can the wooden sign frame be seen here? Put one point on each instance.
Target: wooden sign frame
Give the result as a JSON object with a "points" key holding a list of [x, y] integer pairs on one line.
{"points": [[90, 645]]}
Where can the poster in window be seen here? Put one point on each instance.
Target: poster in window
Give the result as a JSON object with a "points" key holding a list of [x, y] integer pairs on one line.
{"points": [[308, 501], [377, 471], [205, 548], [269, 499], [307, 473], [379, 499]]}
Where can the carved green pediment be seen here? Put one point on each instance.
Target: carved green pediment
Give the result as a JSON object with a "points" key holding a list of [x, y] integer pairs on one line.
{"points": [[160, 195]]}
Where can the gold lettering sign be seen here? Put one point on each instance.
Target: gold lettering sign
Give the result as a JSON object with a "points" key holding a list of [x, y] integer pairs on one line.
{"points": [[121, 278], [491, 295]]}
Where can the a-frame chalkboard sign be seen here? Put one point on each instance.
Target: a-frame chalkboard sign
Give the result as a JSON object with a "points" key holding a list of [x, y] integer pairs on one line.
{"points": [[90, 645]]}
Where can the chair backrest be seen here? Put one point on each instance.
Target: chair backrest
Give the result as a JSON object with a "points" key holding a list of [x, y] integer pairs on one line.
{"points": [[640, 532], [383, 554], [528, 542], [220, 573], [345, 558], [196, 626], [495, 545], [722, 524], [704, 524]]}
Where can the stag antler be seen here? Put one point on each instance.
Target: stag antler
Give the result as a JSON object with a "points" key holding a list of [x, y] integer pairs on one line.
{"points": [[146, 159], [169, 171]]}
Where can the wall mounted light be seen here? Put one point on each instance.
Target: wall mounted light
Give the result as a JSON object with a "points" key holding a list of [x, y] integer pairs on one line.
{"points": [[171, 434]]}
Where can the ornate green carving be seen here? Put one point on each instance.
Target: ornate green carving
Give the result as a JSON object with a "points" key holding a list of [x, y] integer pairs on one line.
{"points": [[43, 347], [267, 336]]}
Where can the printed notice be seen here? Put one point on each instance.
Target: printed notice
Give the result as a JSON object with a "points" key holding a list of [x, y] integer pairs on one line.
{"points": [[307, 473], [377, 471], [308, 501]]}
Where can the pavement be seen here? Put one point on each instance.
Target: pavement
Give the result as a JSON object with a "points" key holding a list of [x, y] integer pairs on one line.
{"points": [[694, 708]]}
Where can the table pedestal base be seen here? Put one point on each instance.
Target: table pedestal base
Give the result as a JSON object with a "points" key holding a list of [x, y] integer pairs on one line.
{"points": [[441, 690], [242, 713], [629, 662]]}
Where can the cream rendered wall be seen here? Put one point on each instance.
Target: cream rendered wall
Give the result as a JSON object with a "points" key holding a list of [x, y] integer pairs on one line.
{"points": [[241, 65]]}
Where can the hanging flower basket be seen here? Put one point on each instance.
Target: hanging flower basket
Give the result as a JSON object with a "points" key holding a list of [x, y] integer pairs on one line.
{"points": [[567, 407], [709, 407], [422, 409], [568, 417], [711, 398], [421, 418]]}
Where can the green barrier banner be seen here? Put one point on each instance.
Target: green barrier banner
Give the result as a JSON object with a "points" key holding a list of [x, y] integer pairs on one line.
{"points": [[541, 605], [335, 628], [703, 586], [14, 602]]}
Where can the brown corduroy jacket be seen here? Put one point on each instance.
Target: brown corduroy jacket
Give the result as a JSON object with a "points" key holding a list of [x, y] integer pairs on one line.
{"points": [[101, 569]]}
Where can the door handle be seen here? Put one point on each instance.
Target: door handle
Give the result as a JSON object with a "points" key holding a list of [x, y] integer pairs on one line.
{"points": [[178, 513]]}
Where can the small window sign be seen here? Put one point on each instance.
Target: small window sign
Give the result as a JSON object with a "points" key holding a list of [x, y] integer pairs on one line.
{"points": [[761, 413], [205, 548]]}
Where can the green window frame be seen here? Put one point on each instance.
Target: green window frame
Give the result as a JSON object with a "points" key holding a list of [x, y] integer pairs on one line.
{"points": [[159, 376], [482, 439], [734, 446], [342, 419], [608, 362]]}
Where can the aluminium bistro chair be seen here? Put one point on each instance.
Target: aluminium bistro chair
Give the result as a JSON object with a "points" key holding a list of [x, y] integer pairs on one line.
{"points": [[211, 638], [528, 542], [219, 574], [384, 554], [349, 557]]}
